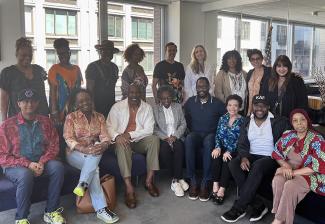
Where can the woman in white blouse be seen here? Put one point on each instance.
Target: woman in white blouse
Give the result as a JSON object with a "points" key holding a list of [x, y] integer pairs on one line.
{"points": [[196, 69], [170, 127], [231, 79]]}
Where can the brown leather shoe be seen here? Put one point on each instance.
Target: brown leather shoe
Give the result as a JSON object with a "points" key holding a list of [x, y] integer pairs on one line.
{"points": [[193, 193], [204, 194], [130, 200], [152, 189]]}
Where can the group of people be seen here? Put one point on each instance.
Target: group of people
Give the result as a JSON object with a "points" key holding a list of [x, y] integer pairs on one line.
{"points": [[245, 126]]}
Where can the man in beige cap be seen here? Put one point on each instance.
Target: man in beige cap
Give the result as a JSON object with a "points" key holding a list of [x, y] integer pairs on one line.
{"points": [[101, 77]]}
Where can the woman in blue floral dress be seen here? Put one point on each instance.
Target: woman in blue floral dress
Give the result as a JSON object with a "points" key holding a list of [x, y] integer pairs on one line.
{"points": [[225, 149]]}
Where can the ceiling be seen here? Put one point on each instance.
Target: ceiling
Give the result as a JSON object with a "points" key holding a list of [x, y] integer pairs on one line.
{"points": [[296, 10]]}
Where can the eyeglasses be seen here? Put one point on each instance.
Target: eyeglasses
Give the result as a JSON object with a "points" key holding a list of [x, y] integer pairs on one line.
{"points": [[256, 59]]}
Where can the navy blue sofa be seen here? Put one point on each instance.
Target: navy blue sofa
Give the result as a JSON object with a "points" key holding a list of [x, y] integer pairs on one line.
{"points": [[108, 165], [312, 207]]}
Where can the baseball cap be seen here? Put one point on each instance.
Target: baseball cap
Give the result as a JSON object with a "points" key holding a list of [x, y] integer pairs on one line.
{"points": [[260, 99], [27, 94]]}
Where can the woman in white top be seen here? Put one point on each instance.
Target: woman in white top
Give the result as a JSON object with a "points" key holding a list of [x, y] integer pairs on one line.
{"points": [[196, 69], [231, 79]]}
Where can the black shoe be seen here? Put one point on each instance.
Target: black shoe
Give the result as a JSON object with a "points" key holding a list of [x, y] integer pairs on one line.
{"points": [[219, 200], [233, 215], [258, 213]]}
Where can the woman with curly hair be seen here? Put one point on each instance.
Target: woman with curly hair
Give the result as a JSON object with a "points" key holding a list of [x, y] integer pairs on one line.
{"points": [[231, 79], [23, 75], [287, 90], [134, 73]]}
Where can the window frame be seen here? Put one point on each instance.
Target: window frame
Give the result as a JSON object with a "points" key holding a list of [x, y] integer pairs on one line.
{"points": [[67, 14]]}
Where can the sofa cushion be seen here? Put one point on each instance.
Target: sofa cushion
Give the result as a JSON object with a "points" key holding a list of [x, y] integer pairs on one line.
{"points": [[109, 164]]}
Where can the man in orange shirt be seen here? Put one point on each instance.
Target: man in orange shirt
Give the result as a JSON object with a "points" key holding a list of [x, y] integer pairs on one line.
{"points": [[130, 125]]}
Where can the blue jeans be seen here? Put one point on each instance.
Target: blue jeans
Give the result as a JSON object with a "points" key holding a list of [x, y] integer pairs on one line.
{"points": [[88, 164], [193, 142], [23, 179]]}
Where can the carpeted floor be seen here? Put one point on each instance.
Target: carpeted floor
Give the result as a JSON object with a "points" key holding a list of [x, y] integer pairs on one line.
{"points": [[166, 209]]}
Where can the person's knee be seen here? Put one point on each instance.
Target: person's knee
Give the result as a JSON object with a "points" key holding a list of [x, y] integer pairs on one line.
{"points": [[190, 138], [289, 187], [55, 166], [25, 176], [234, 164]]}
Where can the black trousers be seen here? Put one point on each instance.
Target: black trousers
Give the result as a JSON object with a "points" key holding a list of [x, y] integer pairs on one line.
{"points": [[172, 157], [248, 182], [220, 170]]}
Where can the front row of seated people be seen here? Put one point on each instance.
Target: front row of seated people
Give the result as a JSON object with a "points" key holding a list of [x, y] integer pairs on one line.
{"points": [[235, 146]]}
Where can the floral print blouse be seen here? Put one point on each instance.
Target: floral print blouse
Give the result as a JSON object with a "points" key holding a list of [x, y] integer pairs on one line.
{"points": [[227, 136]]}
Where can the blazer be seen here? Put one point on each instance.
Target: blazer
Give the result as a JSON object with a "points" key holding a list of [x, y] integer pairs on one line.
{"points": [[160, 128], [222, 85], [118, 119]]}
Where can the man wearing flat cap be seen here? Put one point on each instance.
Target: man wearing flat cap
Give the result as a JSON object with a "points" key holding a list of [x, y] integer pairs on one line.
{"points": [[29, 145], [101, 77], [257, 137]]}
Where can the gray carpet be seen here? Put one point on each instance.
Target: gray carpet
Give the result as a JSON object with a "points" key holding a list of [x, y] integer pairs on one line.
{"points": [[166, 209]]}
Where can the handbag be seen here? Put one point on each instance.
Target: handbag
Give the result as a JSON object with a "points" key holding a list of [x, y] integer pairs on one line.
{"points": [[107, 182]]}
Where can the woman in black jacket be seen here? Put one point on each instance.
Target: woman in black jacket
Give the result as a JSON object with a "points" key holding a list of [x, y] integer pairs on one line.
{"points": [[287, 90]]}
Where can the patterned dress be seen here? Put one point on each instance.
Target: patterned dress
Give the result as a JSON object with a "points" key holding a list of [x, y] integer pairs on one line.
{"points": [[312, 153]]}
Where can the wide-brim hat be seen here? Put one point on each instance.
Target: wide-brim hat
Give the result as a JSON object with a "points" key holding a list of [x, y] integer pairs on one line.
{"points": [[107, 44]]}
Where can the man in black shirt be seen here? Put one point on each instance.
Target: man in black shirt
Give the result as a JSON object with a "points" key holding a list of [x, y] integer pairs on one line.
{"points": [[101, 76], [169, 72]]}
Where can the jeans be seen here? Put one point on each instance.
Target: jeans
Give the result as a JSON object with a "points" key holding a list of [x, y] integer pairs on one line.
{"points": [[248, 182], [193, 142], [23, 179], [88, 164]]}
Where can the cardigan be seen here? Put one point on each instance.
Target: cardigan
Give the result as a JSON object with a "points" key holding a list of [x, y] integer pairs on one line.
{"points": [[313, 156]]}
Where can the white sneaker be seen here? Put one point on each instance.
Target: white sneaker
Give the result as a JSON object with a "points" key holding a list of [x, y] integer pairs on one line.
{"points": [[177, 188], [107, 216], [183, 184]]}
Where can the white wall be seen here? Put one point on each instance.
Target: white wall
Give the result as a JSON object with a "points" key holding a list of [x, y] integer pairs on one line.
{"points": [[173, 24], [11, 28], [191, 30]]}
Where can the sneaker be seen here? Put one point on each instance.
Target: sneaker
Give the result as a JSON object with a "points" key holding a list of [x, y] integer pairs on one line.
{"points": [[80, 189], [107, 216], [22, 221], [183, 184], [54, 217], [204, 194], [177, 188], [193, 193], [258, 213], [233, 215]]}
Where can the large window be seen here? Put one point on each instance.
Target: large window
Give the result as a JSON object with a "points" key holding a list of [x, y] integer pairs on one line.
{"points": [[61, 22], [119, 61], [147, 62], [280, 39], [281, 35], [245, 30], [115, 26], [52, 58], [319, 48], [28, 20], [302, 44], [142, 29]]}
